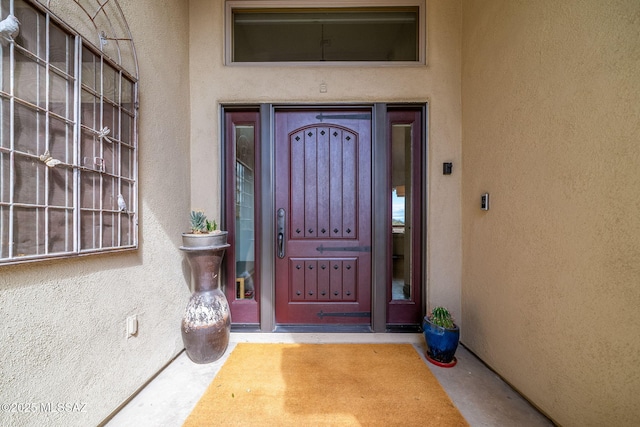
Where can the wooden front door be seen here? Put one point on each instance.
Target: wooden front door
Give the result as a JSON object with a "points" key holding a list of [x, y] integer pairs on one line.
{"points": [[323, 217]]}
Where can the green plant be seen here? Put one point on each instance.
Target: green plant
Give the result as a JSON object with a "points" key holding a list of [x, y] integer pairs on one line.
{"points": [[211, 225], [200, 224], [440, 316]]}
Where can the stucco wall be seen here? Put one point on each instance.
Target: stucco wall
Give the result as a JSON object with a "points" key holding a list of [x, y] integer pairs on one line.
{"points": [[551, 101], [63, 322], [213, 84]]}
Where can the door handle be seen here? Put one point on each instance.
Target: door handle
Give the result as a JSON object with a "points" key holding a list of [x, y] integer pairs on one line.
{"points": [[281, 228]]}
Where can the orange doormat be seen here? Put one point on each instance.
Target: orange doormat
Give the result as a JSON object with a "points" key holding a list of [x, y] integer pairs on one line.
{"points": [[325, 385]]}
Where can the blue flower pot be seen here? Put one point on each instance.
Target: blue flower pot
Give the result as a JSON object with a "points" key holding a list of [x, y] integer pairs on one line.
{"points": [[441, 343]]}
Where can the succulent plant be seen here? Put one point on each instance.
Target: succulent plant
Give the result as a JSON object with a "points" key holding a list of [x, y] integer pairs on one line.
{"points": [[211, 225], [198, 222], [440, 316]]}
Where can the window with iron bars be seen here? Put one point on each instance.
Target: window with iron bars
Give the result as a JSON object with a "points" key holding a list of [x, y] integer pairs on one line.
{"points": [[68, 141]]}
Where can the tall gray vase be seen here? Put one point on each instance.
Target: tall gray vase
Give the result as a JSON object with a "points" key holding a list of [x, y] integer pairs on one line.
{"points": [[206, 323]]}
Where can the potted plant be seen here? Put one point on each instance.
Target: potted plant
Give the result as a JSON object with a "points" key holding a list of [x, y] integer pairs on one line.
{"points": [[204, 233], [206, 322], [442, 336]]}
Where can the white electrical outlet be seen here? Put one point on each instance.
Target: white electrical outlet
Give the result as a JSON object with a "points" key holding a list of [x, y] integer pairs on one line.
{"points": [[132, 325]]}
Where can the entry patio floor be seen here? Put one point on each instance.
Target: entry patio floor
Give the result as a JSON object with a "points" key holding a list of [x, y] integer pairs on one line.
{"points": [[480, 395]]}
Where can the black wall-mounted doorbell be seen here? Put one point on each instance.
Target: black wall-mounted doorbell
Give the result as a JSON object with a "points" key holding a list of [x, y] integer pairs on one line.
{"points": [[484, 202], [447, 168]]}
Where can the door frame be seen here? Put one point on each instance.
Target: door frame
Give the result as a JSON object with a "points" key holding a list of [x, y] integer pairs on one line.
{"points": [[266, 252]]}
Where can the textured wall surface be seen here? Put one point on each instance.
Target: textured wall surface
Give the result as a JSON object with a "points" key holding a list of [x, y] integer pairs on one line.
{"points": [[551, 273], [63, 323], [213, 84]]}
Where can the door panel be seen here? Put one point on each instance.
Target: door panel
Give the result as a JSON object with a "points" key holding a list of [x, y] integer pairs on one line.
{"points": [[323, 186]]}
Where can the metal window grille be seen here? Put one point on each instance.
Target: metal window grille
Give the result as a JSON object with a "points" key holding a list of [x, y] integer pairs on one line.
{"points": [[68, 141]]}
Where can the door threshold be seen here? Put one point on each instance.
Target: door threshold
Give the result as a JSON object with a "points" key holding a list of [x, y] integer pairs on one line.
{"points": [[323, 329], [404, 328]]}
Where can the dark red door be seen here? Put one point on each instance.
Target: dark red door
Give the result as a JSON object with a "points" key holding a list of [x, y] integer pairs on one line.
{"points": [[323, 226]]}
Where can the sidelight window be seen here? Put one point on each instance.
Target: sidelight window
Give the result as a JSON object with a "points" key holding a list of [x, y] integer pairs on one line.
{"points": [[401, 215], [242, 178], [406, 195], [245, 233]]}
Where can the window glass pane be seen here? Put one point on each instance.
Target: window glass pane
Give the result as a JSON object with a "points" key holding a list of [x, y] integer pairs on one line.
{"points": [[108, 230], [4, 8], [61, 49], [32, 29], [110, 87], [30, 80], [89, 149], [28, 231], [126, 190], [108, 156], [4, 232], [6, 75], [61, 230], [126, 159], [89, 110], [127, 97], [61, 140], [245, 212], [29, 129], [89, 70], [109, 194], [5, 134], [126, 131], [348, 34], [90, 230], [110, 119], [90, 184], [401, 211], [61, 95], [5, 177], [126, 235], [60, 187], [28, 180]]}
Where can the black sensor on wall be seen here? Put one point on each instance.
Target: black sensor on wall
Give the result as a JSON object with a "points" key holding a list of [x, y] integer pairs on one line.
{"points": [[447, 168]]}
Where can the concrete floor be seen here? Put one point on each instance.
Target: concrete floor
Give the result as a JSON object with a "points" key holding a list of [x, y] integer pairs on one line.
{"points": [[480, 395]]}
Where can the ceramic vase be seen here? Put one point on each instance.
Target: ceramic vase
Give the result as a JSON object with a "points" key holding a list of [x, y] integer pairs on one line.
{"points": [[206, 323]]}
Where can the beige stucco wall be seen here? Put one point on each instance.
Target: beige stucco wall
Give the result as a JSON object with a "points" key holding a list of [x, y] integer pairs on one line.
{"points": [[63, 322], [213, 84], [551, 273]]}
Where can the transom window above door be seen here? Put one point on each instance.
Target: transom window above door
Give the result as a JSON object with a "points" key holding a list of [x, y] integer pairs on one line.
{"points": [[328, 32]]}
